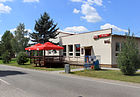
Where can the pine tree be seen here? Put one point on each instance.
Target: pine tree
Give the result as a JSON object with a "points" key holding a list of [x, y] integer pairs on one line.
{"points": [[45, 29], [129, 58]]}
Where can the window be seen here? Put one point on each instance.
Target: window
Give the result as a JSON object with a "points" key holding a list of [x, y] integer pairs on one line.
{"points": [[82, 51], [64, 51], [117, 48], [49, 51], [70, 50], [77, 49]]}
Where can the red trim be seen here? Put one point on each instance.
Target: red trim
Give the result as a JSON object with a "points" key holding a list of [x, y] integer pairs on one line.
{"points": [[101, 36], [104, 35], [96, 37]]}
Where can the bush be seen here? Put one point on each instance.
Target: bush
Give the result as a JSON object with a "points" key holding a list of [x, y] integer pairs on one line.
{"points": [[22, 58], [129, 59], [6, 57]]}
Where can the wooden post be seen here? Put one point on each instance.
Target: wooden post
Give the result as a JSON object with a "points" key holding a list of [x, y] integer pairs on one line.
{"points": [[44, 59], [30, 56]]}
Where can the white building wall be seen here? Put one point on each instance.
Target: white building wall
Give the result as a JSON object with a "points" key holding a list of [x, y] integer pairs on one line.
{"points": [[99, 48]]}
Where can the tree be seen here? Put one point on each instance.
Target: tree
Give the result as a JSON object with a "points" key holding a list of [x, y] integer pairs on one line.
{"points": [[45, 29], [6, 57], [22, 58], [1, 50], [6, 43], [129, 58], [21, 39]]}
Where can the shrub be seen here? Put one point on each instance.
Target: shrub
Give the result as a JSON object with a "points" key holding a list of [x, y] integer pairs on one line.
{"points": [[22, 58], [129, 59], [6, 57]]}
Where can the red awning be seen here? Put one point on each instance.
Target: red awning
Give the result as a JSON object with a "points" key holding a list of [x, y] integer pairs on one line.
{"points": [[45, 46], [34, 47], [49, 46]]}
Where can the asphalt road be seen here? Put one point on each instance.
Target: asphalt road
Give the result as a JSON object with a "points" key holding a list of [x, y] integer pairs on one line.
{"points": [[19, 82]]}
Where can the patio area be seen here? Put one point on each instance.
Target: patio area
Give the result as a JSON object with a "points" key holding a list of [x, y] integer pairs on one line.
{"points": [[49, 61], [46, 61]]}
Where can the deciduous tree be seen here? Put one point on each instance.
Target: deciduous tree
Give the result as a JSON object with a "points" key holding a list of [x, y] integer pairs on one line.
{"points": [[129, 58], [21, 38], [6, 45]]}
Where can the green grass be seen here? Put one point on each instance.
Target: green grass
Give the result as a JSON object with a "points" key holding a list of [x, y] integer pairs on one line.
{"points": [[30, 66], [109, 74]]}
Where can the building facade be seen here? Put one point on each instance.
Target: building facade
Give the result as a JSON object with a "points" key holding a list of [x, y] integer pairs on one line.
{"points": [[101, 45]]}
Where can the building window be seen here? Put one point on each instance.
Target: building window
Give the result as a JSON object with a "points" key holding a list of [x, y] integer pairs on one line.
{"points": [[117, 48], [82, 51], [49, 51], [77, 49], [64, 51], [70, 50]]}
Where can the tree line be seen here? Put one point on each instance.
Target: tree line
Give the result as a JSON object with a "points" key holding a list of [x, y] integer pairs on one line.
{"points": [[13, 43]]}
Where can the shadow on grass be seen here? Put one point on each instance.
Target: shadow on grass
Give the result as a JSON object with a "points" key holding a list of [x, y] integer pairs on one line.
{"points": [[137, 74], [24, 64], [4, 73], [96, 70]]}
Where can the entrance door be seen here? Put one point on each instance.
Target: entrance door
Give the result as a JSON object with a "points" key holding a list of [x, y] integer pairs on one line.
{"points": [[87, 51]]}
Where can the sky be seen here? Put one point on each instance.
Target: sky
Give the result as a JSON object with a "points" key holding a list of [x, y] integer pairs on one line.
{"points": [[76, 16]]}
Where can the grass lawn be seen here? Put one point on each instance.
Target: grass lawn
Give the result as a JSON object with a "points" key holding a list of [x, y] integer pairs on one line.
{"points": [[30, 66], [109, 74]]}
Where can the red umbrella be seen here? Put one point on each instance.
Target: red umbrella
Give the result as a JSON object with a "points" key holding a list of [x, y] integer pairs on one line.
{"points": [[49, 46], [34, 47], [45, 46], [52, 46]]}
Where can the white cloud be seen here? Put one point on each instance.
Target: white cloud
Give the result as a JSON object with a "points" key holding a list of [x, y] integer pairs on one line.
{"points": [[30, 0], [115, 28], [13, 30], [76, 11], [90, 13], [5, 0], [75, 29], [76, 0], [97, 2], [4, 9], [29, 30]]}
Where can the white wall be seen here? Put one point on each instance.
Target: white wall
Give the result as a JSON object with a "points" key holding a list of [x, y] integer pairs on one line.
{"points": [[86, 39]]}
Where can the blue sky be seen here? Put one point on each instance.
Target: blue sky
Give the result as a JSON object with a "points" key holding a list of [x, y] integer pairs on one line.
{"points": [[73, 15]]}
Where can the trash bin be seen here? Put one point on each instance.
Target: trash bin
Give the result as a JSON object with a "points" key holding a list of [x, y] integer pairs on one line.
{"points": [[67, 68], [96, 65]]}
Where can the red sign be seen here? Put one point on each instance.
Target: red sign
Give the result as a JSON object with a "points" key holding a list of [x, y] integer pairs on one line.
{"points": [[101, 36]]}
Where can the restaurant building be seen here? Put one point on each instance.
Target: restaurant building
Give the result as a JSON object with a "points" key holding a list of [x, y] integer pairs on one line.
{"points": [[102, 45]]}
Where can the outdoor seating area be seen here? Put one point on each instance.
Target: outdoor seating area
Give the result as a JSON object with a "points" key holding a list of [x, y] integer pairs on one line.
{"points": [[50, 61], [47, 61]]}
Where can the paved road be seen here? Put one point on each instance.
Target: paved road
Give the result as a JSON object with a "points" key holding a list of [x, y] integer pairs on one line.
{"points": [[19, 82]]}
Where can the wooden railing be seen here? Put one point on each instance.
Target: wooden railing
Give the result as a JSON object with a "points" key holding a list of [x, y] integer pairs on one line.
{"points": [[47, 60]]}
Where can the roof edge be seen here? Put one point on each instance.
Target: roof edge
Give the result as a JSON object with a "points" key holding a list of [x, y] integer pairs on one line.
{"points": [[90, 32]]}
